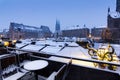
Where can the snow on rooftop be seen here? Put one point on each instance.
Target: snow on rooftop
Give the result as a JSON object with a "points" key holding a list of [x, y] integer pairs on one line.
{"points": [[15, 76], [71, 50], [76, 52], [73, 44], [72, 27], [32, 28], [51, 43], [4, 55], [19, 45], [33, 47], [23, 27], [51, 50], [114, 14]]}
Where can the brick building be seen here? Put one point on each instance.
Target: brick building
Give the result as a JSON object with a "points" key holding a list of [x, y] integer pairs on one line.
{"points": [[81, 33], [97, 32], [113, 21], [18, 31]]}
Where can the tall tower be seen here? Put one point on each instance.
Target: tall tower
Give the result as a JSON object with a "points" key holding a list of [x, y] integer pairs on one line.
{"points": [[118, 5], [57, 26], [57, 29]]}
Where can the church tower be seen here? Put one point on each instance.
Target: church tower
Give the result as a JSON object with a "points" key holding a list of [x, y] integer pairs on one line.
{"points": [[57, 29], [113, 22], [118, 5], [57, 26]]}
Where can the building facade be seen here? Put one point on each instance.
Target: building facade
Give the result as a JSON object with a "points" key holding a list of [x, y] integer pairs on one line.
{"points": [[96, 33], [81, 33], [45, 32], [118, 5], [113, 21], [21, 31]]}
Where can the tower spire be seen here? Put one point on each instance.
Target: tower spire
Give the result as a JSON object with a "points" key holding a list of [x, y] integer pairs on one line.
{"points": [[57, 26], [108, 9]]}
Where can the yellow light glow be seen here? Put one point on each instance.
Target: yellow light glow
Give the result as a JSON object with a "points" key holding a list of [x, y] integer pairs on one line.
{"points": [[14, 41], [6, 43], [83, 63]]}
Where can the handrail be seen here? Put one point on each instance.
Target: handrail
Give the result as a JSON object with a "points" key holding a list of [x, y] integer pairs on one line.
{"points": [[88, 60]]}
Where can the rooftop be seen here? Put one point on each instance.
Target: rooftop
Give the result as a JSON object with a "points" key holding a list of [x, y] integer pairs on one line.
{"points": [[114, 14]]}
